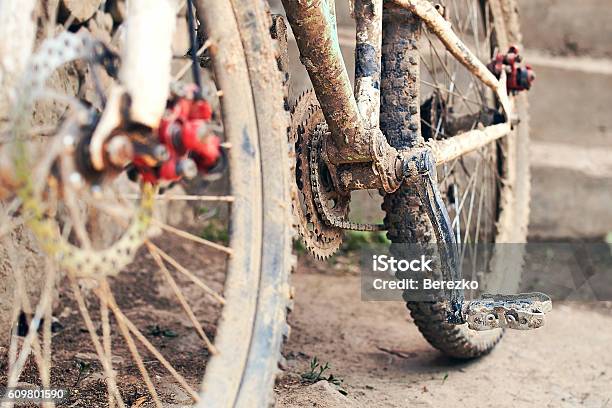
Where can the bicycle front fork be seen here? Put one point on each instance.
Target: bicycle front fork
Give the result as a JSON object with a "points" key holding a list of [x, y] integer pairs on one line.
{"points": [[523, 311]]}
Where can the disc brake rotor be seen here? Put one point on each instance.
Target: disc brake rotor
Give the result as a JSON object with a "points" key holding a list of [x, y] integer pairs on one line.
{"points": [[39, 186]]}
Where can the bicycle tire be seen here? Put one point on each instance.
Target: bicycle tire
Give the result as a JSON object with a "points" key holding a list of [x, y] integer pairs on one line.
{"points": [[406, 218], [252, 325]]}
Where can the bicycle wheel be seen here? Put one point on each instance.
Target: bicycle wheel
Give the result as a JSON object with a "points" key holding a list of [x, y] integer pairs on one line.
{"points": [[485, 191], [159, 292]]}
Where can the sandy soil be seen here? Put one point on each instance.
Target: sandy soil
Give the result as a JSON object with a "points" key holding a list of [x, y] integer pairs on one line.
{"points": [[384, 362]]}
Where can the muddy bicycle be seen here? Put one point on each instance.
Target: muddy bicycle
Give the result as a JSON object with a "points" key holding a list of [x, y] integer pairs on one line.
{"points": [[147, 219]]}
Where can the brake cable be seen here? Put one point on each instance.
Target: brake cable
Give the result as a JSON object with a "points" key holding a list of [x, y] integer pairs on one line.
{"points": [[195, 66]]}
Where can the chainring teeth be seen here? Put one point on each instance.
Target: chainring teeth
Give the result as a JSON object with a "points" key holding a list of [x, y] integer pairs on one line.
{"points": [[320, 239]]}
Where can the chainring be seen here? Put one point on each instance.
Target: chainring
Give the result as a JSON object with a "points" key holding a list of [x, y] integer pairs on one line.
{"points": [[320, 237]]}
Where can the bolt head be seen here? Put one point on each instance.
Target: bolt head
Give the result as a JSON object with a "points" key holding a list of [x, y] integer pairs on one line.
{"points": [[187, 168], [76, 180], [161, 153], [120, 150], [69, 142], [96, 191]]}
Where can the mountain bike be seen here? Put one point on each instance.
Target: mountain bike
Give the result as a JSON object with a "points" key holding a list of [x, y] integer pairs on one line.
{"points": [[147, 218]]}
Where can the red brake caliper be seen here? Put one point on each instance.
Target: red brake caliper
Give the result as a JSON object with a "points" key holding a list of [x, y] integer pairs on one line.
{"points": [[519, 78], [186, 134]]}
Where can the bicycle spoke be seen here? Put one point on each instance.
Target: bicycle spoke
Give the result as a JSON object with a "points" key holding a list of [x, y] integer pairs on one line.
{"points": [[102, 357], [186, 272], [469, 218], [31, 342], [153, 350], [125, 333], [117, 212], [185, 68], [106, 296], [486, 192], [471, 182], [191, 237], [106, 343], [70, 199], [46, 347], [457, 221], [181, 298], [431, 68], [449, 170], [13, 346], [445, 68], [9, 222], [477, 233], [438, 87], [435, 129]]}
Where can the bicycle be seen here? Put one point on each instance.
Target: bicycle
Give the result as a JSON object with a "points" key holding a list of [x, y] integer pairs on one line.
{"points": [[225, 139]]}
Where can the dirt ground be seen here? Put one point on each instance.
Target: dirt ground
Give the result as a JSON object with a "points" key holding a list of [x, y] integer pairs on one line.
{"points": [[384, 362]]}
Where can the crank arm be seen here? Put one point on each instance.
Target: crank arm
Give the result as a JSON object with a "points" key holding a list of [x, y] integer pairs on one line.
{"points": [[421, 170], [522, 312]]}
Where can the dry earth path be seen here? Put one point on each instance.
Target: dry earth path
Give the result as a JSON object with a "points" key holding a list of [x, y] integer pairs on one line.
{"points": [[384, 362]]}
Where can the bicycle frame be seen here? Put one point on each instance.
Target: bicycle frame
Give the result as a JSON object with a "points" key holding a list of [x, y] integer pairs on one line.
{"points": [[353, 117], [355, 139]]}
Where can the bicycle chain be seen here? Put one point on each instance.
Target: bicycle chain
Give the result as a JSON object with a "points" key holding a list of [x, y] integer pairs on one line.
{"points": [[319, 238], [319, 224]]}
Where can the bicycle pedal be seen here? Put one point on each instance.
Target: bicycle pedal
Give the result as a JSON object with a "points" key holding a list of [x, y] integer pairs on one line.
{"points": [[524, 311]]}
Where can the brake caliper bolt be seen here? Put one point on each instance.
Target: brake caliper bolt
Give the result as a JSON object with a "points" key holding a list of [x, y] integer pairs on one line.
{"points": [[187, 168], [96, 191], [76, 180], [161, 153], [120, 151], [69, 142]]}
